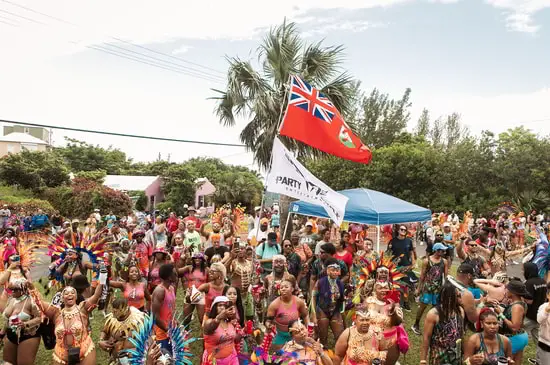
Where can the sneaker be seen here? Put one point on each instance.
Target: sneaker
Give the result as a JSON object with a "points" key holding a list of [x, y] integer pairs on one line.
{"points": [[416, 330], [533, 361], [406, 307]]}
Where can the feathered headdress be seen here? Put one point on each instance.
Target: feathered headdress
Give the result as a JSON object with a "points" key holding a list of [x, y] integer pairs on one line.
{"points": [[27, 249], [542, 254], [387, 262], [94, 246], [180, 338], [142, 340]]}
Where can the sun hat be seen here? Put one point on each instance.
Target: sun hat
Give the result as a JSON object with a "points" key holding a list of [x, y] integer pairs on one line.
{"points": [[439, 246], [160, 250], [219, 299], [446, 224], [264, 221], [309, 224]]}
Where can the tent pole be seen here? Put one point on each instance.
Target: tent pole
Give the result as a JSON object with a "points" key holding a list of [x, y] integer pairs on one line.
{"points": [[286, 224], [377, 238]]}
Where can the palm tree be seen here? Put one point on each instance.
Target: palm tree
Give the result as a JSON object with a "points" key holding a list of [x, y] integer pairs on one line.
{"points": [[260, 95]]}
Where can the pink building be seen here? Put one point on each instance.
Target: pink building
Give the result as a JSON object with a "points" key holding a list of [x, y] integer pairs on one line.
{"points": [[151, 185], [203, 190]]}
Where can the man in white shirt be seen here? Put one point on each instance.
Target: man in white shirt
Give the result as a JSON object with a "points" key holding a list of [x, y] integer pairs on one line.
{"points": [[261, 234]]}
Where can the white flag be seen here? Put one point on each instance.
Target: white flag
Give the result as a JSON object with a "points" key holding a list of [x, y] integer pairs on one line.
{"points": [[289, 177]]}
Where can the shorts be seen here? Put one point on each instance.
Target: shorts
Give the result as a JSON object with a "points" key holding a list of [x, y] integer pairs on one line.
{"points": [[450, 252], [248, 304], [518, 342], [165, 344], [12, 336], [429, 298], [281, 338]]}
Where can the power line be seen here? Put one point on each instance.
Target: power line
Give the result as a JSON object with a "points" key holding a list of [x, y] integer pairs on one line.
{"points": [[147, 62], [122, 134], [8, 23], [123, 41], [168, 62], [22, 17]]}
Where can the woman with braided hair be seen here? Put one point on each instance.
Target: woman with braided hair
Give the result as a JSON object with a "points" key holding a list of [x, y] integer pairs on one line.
{"points": [[22, 319]]}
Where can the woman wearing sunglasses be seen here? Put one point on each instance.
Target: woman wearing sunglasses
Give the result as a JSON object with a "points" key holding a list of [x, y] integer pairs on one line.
{"points": [[22, 321]]}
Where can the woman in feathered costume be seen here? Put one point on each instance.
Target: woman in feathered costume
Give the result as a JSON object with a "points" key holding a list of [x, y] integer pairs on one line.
{"points": [[19, 265]]}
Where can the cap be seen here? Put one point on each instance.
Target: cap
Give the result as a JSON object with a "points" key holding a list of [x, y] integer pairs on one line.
{"points": [[191, 209], [139, 233], [219, 299], [264, 221], [465, 269], [257, 208], [439, 246], [446, 224], [75, 221], [309, 224], [185, 206], [96, 210], [518, 288]]}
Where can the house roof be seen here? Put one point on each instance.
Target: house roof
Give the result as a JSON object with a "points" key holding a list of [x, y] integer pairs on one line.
{"points": [[129, 183], [21, 138]]}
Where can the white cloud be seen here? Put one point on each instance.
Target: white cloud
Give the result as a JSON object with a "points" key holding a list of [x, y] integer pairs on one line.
{"points": [[519, 13], [325, 26]]}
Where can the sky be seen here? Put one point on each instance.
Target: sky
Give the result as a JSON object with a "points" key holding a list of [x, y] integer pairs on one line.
{"points": [[149, 67]]}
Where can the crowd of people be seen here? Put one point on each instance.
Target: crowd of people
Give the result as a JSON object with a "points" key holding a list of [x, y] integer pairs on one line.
{"points": [[325, 295]]}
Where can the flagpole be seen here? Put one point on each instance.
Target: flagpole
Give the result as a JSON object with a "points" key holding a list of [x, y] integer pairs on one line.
{"points": [[280, 121]]}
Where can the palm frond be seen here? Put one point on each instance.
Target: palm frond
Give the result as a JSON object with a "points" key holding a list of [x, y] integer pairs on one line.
{"points": [[320, 64]]}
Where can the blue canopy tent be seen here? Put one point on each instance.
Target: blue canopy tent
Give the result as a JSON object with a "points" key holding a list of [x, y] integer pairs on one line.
{"points": [[367, 206]]}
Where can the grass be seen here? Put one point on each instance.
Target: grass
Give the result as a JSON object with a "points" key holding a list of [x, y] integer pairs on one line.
{"points": [[411, 358]]}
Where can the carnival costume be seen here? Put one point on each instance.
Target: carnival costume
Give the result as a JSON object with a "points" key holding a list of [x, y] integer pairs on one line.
{"points": [[542, 254], [142, 340], [94, 246], [122, 331], [384, 273]]}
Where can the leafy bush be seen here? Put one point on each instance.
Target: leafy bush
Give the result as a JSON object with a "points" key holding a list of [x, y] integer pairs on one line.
{"points": [[83, 196], [17, 204]]}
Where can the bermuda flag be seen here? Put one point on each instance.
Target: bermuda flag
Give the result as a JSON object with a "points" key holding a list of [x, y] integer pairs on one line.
{"points": [[311, 118]]}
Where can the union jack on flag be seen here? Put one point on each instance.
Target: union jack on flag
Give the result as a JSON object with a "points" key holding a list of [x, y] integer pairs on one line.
{"points": [[308, 98]]}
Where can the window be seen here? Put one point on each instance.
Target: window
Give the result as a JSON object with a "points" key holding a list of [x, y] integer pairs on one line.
{"points": [[29, 146], [27, 130], [201, 201], [11, 148]]}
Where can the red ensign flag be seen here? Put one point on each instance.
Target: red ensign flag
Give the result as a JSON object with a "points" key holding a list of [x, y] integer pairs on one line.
{"points": [[311, 118]]}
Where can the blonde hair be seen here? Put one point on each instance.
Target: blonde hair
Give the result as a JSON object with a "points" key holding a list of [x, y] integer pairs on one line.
{"points": [[220, 267]]}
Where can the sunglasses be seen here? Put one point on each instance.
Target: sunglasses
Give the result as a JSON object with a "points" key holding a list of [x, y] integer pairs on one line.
{"points": [[287, 246], [402, 229], [472, 245], [439, 235]]}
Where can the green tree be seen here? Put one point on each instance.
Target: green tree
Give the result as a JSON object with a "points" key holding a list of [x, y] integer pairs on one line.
{"points": [[81, 156], [383, 119], [33, 170], [260, 95], [423, 125], [178, 187], [238, 187]]}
